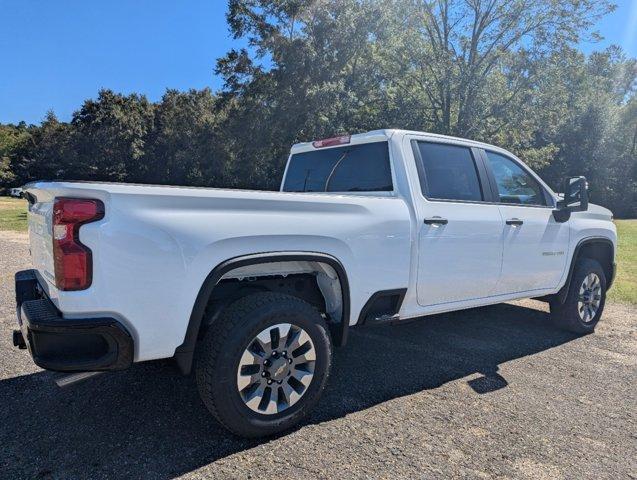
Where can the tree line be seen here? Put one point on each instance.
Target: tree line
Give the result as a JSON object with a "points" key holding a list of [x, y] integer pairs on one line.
{"points": [[506, 72]]}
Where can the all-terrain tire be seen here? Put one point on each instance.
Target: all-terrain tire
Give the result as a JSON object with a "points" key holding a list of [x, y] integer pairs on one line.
{"points": [[568, 316], [218, 357]]}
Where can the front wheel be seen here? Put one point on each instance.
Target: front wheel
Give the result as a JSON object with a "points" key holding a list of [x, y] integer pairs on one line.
{"points": [[264, 365], [585, 300]]}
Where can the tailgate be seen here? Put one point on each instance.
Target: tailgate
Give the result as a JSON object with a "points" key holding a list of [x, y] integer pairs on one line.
{"points": [[40, 241]]}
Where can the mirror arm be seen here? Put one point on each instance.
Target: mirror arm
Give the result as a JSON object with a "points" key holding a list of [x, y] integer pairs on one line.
{"points": [[561, 214]]}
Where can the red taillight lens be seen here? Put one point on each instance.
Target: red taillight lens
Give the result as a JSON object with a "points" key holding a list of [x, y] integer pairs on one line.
{"points": [[73, 261], [330, 142]]}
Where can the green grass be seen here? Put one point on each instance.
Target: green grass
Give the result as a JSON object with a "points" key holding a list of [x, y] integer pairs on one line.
{"points": [[13, 214], [625, 286]]}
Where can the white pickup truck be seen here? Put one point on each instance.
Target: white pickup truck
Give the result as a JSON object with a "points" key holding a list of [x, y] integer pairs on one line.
{"points": [[252, 289]]}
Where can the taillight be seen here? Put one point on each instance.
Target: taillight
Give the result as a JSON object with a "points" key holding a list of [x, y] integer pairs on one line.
{"points": [[73, 261], [330, 142]]}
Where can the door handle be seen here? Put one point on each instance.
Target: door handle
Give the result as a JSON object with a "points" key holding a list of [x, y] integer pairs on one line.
{"points": [[436, 221], [514, 221]]}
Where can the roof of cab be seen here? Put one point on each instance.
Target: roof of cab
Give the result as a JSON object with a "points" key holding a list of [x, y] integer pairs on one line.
{"points": [[385, 134]]}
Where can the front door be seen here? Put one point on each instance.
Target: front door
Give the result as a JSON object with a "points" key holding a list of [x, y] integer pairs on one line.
{"points": [[460, 234], [535, 245]]}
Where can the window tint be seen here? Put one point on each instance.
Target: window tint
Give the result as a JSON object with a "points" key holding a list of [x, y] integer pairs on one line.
{"points": [[358, 168], [515, 185], [448, 172]]}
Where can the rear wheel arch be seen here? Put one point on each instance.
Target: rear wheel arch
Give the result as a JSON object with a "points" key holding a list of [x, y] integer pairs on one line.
{"points": [[185, 352]]}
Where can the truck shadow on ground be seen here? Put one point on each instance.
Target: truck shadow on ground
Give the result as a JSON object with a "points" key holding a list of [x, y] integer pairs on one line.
{"points": [[149, 422]]}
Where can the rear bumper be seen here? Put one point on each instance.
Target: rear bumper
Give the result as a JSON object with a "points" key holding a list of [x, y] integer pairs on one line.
{"points": [[67, 345]]}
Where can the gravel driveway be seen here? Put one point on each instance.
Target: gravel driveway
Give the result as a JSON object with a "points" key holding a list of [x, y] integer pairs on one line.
{"points": [[491, 392]]}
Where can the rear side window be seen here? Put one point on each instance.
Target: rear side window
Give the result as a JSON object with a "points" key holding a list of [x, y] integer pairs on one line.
{"points": [[515, 185], [447, 172], [356, 168]]}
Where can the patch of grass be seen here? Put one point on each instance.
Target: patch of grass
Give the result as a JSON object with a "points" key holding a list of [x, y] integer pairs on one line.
{"points": [[625, 286], [13, 214]]}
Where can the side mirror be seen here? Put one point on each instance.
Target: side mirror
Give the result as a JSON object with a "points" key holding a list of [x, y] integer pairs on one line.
{"points": [[575, 198]]}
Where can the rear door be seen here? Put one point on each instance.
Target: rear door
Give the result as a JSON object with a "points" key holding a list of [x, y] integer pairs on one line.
{"points": [[460, 230], [535, 245]]}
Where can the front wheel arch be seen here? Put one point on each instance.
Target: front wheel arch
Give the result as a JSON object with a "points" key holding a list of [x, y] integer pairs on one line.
{"points": [[600, 249]]}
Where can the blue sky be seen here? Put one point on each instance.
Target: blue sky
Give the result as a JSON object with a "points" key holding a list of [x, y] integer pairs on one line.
{"points": [[55, 54]]}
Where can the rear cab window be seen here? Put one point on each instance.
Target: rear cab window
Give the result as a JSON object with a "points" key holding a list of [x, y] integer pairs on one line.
{"points": [[353, 168], [447, 172]]}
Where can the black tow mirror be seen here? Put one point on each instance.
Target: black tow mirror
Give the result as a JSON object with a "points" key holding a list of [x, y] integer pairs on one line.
{"points": [[575, 198]]}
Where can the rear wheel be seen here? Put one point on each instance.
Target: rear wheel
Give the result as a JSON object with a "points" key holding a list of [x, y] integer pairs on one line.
{"points": [[585, 300], [264, 365]]}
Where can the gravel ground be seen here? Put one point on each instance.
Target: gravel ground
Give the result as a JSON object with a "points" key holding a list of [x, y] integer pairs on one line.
{"points": [[491, 392]]}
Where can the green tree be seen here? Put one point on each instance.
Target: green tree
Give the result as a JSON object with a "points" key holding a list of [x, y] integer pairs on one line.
{"points": [[310, 76], [16, 142], [53, 155], [589, 120], [109, 135], [470, 61], [184, 146]]}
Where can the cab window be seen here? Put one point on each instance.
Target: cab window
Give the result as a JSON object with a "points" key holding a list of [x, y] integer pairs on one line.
{"points": [[447, 172], [515, 185], [356, 168]]}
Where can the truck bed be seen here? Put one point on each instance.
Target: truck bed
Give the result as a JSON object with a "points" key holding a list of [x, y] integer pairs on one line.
{"points": [[159, 242]]}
